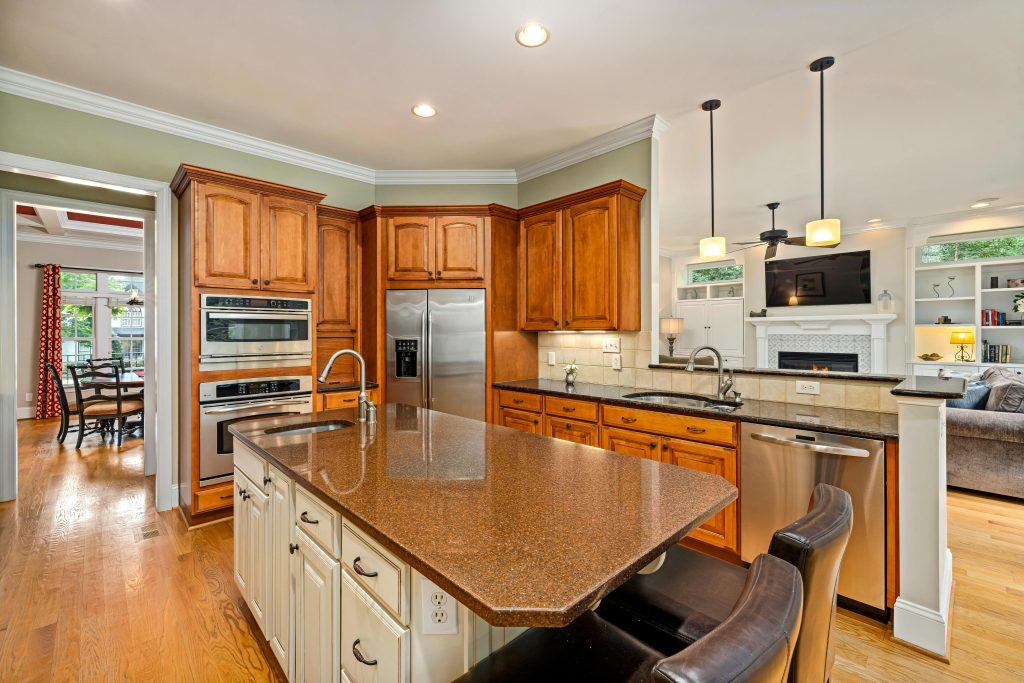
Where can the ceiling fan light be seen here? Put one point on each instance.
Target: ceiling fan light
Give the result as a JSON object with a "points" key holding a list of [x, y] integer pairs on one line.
{"points": [[824, 232], [712, 247]]}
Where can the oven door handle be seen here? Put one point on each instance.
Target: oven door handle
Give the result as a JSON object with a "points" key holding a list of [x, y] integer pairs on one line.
{"points": [[816, 447], [255, 314], [249, 406]]}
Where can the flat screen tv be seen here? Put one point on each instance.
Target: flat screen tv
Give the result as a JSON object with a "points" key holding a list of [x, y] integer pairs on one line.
{"points": [[825, 280]]}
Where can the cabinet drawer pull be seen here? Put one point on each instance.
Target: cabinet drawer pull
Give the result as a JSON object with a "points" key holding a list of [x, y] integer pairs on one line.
{"points": [[230, 495], [305, 518], [695, 430], [362, 572], [292, 547], [568, 426], [517, 401], [359, 655], [569, 409], [628, 420]]}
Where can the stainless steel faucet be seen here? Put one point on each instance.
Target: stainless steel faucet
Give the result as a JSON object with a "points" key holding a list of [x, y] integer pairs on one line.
{"points": [[724, 386], [367, 411]]}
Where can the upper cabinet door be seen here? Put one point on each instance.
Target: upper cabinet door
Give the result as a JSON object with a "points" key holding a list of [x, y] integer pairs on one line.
{"points": [[695, 325], [590, 270], [337, 285], [410, 248], [288, 244], [540, 272], [227, 251], [725, 326], [460, 247]]}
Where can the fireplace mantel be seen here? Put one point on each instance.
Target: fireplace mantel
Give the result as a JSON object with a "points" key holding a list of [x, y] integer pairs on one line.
{"points": [[868, 324]]}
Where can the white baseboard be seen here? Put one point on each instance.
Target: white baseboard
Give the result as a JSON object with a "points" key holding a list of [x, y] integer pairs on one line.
{"points": [[924, 627], [26, 412]]}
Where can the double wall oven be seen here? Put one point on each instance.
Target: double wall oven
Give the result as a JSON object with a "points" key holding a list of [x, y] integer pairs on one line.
{"points": [[238, 332]]}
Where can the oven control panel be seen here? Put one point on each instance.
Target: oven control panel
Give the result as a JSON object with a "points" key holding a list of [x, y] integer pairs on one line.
{"points": [[254, 388], [265, 303]]}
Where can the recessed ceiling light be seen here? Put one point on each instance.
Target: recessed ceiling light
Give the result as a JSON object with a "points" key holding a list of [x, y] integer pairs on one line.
{"points": [[424, 111], [874, 220], [982, 203], [532, 35]]}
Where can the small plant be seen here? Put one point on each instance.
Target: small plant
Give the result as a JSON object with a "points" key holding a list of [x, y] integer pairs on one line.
{"points": [[1018, 303], [571, 371]]}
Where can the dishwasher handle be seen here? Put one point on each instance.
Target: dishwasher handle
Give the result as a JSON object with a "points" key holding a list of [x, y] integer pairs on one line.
{"points": [[807, 446]]}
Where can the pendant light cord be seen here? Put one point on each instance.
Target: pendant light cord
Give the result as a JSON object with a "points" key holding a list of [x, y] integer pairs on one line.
{"points": [[821, 147], [711, 115]]}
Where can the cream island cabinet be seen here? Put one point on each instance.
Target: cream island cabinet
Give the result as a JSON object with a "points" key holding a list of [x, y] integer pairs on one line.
{"points": [[332, 603]]}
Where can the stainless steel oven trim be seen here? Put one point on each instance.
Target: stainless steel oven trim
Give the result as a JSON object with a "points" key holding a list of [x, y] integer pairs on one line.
{"points": [[220, 408], [208, 390], [203, 299], [244, 351]]}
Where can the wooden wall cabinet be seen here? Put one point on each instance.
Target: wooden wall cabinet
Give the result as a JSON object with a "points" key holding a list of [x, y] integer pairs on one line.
{"points": [[423, 248], [288, 244], [580, 261], [338, 277], [227, 227]]}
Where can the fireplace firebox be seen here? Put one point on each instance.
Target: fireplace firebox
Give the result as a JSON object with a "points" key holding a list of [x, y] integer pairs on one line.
{"points": [[818, 360]]}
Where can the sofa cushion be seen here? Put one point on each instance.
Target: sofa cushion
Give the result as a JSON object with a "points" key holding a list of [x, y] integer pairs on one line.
{"points": [[975, 397], [1006, 397], [997, 373], [986, 425]]}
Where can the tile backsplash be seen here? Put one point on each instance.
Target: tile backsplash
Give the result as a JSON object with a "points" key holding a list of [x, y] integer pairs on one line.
{"points": [[595, 366]]}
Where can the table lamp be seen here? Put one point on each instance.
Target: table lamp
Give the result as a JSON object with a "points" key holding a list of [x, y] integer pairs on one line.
{"points": [[671, 327], [963, 340]]}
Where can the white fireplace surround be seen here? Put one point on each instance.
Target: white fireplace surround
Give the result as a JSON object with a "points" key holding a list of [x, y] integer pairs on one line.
{"points": [[868, 327]]}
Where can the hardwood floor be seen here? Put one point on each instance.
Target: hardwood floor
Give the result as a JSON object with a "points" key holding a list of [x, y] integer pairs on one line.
{"points": [[86, 593]]}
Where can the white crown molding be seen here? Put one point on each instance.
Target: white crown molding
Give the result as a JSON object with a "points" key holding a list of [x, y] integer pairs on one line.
{"points": [[67, 96], [70, 97], [494, 176], [89, 243], [644, 129]]}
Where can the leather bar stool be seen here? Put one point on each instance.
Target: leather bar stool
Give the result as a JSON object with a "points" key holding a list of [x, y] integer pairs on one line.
{"points": [[754, 644], [692, 592]]}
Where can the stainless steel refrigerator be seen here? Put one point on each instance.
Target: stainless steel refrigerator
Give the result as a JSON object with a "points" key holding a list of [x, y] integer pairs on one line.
{"points": [[437, 350]]}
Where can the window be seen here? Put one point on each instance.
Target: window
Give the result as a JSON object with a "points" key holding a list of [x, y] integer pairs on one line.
{"points": [[125, 283], [127, 335], [77, 335], [990, 247], [77, 282], [722, 271]]}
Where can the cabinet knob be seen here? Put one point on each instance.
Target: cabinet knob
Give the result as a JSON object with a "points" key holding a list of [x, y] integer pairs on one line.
{"points": [[266, 480], [566, 323], [292, 547], [430, 273], [664, 446], [241, 491], [246, 496], [653, 445], [266, 282], [536, 421], [556, 323], [255, 281], [359, 655]]}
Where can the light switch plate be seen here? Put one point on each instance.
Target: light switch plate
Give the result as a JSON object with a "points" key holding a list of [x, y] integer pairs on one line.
{"points": [[617, 361], [551, 357], [803, 387], [611, 345], [440, 611]]}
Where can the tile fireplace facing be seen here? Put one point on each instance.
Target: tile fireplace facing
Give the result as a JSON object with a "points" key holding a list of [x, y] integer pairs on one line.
{"points": [[818, 360]]}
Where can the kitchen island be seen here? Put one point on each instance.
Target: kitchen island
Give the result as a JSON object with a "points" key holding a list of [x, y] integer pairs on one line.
{"points": [[414, 542]]}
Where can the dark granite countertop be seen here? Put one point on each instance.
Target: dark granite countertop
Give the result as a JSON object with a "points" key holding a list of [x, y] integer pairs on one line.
{"points": [[331, 387], [523, 529], [823, 374], [931, 387], [832, 420]]}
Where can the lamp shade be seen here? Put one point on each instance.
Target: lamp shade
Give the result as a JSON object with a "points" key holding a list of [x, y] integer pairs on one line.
{"points": [[671, 325], [823, 233], [962, 337], [712, 247]]}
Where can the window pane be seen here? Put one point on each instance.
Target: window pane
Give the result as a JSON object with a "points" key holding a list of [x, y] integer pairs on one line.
{"points": [[716, 273], [123, 283], [82, 282], [74, 352], [76, 321], [127, 321], [973, 249]]}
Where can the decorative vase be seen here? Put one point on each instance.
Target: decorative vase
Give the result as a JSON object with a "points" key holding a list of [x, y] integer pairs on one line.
{"points": [[570, 379]]}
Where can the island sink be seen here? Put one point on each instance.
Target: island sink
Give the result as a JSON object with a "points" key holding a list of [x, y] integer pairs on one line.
{"points": [[684, 400], [310, 427]]}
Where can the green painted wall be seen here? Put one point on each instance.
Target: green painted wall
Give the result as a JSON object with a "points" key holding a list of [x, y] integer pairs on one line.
{"points": [[29, 183], [50, 132], [396, 195], [632, 163]]}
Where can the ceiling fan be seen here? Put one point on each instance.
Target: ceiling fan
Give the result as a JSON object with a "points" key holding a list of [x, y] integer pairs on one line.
{"points": [[774, 237]]}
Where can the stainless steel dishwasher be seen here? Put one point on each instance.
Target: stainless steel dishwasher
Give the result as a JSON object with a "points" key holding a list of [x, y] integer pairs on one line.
{"points": [[778, 471]]}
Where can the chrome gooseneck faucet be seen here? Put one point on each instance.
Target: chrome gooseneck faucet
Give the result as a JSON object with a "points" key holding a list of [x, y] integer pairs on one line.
{"points": [[724, 387], [367, 411]]}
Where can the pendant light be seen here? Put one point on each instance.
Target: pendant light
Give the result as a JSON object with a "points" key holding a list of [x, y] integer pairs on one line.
{"points": [[711, 247], [824, 232]]}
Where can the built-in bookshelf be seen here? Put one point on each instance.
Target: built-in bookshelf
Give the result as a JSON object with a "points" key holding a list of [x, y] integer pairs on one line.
{"points": [[724, 289], [963, 292]]}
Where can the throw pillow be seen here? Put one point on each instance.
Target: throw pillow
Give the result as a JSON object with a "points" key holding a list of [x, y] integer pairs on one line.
{"points": [[997, 373], [1006, 397], [975, 397]]}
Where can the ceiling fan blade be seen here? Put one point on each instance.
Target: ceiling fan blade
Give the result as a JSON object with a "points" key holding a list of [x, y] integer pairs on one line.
{"points": [[752, 245], [754, 242], [796, 241], [770, 252]]}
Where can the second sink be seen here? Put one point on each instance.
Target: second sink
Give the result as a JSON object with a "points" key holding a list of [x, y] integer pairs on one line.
{"points": [[683, 400]]}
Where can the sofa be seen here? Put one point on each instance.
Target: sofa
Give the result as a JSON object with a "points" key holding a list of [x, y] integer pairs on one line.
{"points": [[985, 439]]}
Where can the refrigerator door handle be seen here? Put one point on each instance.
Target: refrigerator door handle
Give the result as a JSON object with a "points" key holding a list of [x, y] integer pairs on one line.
{"points": [[428, 358], [425, 372]]}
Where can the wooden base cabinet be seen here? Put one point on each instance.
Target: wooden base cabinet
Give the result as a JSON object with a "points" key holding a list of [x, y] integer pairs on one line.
{"points": [[721, 530], [637, 444], [520, 419], [571, 430]]}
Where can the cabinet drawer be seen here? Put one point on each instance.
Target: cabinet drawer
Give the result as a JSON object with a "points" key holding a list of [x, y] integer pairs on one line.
{"points": [[567, 407], [585, 433], [520, 401], [377, 570], [252, 465], [213, 498], [345, 399], [316, 519], [683, 426], [368, 632]]}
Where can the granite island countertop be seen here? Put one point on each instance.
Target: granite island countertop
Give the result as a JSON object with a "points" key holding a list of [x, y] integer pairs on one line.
{"points": [[522, 529], [335, 387], [860, 423]]}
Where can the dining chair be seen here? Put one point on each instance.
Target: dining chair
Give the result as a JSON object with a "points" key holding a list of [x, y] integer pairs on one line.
{"points": [[62, 399], [118, 362], [692, 593], [103, 408], [754, 644]]}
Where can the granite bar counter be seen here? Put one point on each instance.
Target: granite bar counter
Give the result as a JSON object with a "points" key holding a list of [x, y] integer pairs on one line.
{"points": [[337, 387], [522, 529], [860, 423]]}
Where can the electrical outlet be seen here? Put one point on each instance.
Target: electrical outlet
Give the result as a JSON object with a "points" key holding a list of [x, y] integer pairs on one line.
{"points": [[808, 387], [440, 611], [551, 357], [617, 361], [611, 345], [28, 397]]}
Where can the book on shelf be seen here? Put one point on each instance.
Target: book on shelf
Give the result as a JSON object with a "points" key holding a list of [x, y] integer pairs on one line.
{"points": [[998, 353]]}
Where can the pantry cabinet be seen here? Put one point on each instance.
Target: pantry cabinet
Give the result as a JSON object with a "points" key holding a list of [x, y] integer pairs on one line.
{"points": [[580, 261], [338, 278]]}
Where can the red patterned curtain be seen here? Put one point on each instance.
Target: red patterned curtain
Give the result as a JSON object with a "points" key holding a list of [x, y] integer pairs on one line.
{"points": [[47, 403]]}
